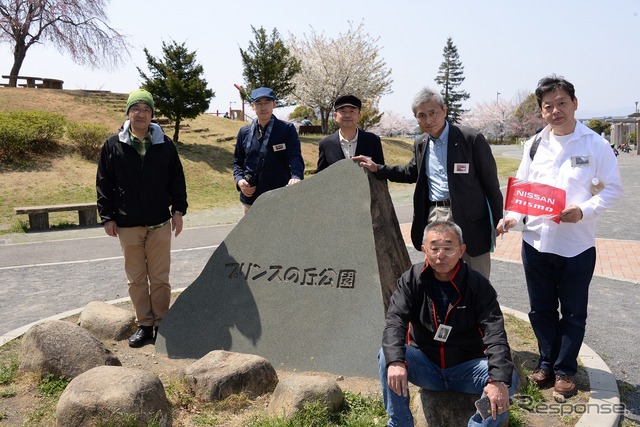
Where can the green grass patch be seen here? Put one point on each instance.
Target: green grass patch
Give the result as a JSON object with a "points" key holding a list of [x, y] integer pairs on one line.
{"points": [[357, 411], [50, 386], [7, 391], [9, 369]]}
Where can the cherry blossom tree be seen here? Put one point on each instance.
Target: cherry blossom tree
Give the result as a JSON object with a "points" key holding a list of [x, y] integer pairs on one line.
{"points": [[78, 27], [526, 116], [348, 64], [393, 124], [493, 119]]}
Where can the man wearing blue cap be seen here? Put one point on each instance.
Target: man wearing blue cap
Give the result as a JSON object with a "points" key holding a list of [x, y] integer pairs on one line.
{"points": [[267, 154], [348, 141], [142, 206]]}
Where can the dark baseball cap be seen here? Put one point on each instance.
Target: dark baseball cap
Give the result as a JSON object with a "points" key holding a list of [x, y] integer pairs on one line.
{"points": [[262, 92], [347, 100]]}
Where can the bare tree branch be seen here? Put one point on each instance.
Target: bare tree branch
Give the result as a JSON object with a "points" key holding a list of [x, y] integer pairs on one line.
{"points": [[79, 28]]}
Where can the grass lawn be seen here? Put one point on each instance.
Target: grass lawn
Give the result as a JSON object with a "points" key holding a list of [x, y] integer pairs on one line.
{"points": [[61, 176]]}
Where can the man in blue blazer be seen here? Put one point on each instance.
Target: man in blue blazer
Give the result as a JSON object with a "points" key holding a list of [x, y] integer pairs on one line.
{"points": [[348, 141], [456, 179], [267, 154]]}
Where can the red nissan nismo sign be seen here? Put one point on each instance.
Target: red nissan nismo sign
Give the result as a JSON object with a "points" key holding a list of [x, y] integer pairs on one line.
{"points": [[534, 199]]}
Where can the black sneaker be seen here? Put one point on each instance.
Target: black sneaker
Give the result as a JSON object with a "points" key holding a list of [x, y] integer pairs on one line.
{"points": [[141, 336]]}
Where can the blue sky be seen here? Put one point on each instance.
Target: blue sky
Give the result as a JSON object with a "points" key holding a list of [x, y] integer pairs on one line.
{"points": [[505, 46]]}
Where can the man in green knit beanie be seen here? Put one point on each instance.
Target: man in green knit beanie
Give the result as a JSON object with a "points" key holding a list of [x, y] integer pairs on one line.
{"points": [[142, 197]]}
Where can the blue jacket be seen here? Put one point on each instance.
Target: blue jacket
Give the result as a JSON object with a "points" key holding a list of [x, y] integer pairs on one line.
{"points": [[280, 164]]}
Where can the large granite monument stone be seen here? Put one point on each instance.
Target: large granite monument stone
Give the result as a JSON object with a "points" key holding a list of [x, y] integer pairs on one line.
{"points": [[303, 279]]}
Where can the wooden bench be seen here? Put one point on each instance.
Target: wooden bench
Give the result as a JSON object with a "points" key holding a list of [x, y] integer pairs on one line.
{"points": [[33, 82], [39, 215], [30, 81], [302, 130], [48, 83]]}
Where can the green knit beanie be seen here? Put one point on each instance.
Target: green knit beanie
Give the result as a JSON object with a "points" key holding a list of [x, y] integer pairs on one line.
{"points": [[137, 96]]}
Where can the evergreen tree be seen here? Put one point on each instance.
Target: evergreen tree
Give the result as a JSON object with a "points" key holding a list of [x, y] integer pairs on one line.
{"points": [[302, 111], [370, 115], [450, 77], [268, 63], [176, 83]]}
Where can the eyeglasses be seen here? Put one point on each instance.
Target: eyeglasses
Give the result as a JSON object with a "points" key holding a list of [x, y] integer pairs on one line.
{"points": [[137, 110], [445, 250], [261, 104]]}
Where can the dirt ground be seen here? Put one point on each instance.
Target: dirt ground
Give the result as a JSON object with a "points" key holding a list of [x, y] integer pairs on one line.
{"points": [[232, 414], [21, 409]]}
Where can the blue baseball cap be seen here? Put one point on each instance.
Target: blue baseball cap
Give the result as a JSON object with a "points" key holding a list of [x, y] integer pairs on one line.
{"points": [[262, 92]]}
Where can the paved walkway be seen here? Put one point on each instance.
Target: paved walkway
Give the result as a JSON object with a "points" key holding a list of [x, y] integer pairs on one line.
{"points": [[616, 259], [51, 272]]}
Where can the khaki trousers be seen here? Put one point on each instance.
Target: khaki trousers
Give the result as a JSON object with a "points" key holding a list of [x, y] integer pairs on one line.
{"points": [[147, 261], [480, 263]]}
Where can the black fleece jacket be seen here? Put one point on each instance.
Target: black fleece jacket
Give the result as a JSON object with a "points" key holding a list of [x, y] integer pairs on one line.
{"points": [[475, 317]]}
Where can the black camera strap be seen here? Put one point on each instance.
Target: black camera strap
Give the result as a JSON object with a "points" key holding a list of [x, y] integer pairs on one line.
{"points": [[255, 139]]}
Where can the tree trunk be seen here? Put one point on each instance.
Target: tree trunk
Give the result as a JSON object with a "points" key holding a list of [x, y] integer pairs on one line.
{"points": [[19, 53], [324, 120], [176, 130]]}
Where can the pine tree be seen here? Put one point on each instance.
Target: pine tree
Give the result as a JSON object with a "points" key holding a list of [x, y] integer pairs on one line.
{"points": [[267, 62], [450, 76], [176, 83]]}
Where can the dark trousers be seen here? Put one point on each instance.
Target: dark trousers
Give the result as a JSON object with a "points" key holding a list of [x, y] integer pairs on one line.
{"points": [[552, 281]]}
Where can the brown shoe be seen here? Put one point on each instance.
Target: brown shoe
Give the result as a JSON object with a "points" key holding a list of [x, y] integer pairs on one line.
{"points": [[565, 385], [541, 377]]}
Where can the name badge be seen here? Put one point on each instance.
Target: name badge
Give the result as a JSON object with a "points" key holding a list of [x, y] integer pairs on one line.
{"points": [[279, 147], [442, 334], [461, 168], [579, 161]]}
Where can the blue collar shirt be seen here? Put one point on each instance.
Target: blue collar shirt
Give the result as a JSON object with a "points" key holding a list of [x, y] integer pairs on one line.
{"points": [[435, 166]]}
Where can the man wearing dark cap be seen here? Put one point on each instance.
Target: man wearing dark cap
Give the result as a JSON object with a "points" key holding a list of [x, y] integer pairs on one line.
{"points": [[142, 206], [267, 154], [348, 141]]}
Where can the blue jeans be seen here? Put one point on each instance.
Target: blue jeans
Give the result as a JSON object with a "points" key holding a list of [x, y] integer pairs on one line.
{"points": [[552, 281], [468, 377]]}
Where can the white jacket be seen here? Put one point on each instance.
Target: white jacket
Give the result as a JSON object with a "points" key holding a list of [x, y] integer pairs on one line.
{"points": [[555, 164]]}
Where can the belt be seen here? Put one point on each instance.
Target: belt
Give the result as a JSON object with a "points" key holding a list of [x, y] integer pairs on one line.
{"points": [[153, 227], [441, 203]]}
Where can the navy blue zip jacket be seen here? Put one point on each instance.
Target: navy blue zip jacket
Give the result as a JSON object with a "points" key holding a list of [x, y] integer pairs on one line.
{"points": [[282, 161]]}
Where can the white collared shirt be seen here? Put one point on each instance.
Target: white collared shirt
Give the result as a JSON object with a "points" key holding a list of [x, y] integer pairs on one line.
{"points": [[552, 165], [348, 145]]}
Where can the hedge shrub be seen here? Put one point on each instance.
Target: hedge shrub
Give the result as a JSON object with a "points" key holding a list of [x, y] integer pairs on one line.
{"points": [[22, 132], [88, 138]]}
